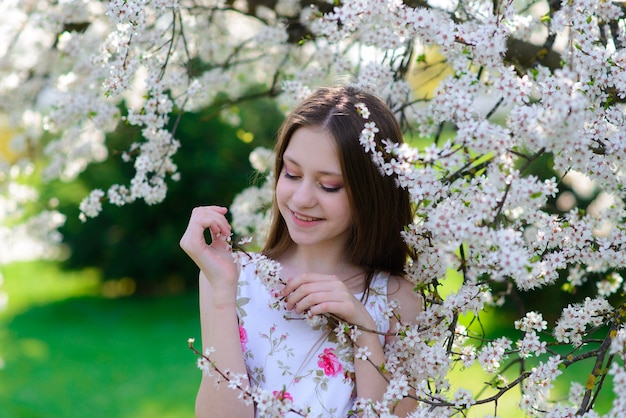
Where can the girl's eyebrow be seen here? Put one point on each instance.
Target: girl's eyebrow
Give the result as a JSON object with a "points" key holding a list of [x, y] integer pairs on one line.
{"points": [[324, 173]]}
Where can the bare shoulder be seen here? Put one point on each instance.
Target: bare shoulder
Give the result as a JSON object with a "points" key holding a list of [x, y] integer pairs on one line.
{"points": [[410, 303]]}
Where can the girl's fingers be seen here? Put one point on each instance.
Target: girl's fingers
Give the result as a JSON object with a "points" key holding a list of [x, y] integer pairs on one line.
{"points": [[303, 294], [214, 256], [203, 218], [313, 299], [329, 307], [212, 218], [220, 238], [305, 278], [320, 294]]}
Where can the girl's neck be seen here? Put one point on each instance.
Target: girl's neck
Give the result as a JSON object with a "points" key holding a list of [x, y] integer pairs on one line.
{"points": [[315, 259], [298, 260]]}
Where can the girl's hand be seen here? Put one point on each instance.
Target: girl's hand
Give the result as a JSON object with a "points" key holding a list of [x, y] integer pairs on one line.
{"points": [[322, 293], [215, 260]]}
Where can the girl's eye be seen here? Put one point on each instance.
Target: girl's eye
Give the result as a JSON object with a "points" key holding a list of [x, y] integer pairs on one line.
{"points": [[329, 189]]}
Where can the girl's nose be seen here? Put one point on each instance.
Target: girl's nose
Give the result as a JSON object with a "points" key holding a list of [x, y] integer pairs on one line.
{"points": [[304, 195]]}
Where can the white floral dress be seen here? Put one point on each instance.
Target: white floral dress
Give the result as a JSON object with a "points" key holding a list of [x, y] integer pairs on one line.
{"points": [[289, 357]]}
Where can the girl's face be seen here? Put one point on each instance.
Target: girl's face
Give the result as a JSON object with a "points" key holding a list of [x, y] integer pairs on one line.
{"points": [[310, 191]]}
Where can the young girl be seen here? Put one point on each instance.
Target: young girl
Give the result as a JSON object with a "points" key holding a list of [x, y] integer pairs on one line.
{"points": [[336, 236]]}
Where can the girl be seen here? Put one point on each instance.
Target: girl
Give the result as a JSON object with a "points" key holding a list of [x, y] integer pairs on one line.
{"points": [[335, 233]]}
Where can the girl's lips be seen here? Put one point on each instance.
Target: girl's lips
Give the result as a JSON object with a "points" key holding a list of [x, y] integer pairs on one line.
{"points": [[304, 220], [304, 217]]}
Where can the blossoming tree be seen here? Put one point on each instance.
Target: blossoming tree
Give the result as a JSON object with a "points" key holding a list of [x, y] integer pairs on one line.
{"points": [[515, 82]]}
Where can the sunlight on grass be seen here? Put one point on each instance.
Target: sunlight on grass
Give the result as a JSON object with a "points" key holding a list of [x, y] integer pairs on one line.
{"points": [[70, 351], [36, 283]]}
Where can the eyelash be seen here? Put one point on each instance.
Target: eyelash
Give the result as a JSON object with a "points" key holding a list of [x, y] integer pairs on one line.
{"points": [[324, 188]]}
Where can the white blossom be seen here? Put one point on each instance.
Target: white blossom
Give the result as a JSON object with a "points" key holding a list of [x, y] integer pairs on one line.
{"points": [[362, 353]]}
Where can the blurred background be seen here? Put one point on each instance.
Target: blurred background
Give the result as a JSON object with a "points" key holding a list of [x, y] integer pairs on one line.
{"points": [[103, 331]]}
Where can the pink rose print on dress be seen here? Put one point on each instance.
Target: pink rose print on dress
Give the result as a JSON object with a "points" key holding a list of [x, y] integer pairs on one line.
{"points": [[329, 362], [281, 395], [243, 337]]}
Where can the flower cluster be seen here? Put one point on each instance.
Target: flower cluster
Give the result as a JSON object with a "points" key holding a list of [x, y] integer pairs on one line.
{"points": [[618, 344], [268, 271], [576, 318]]}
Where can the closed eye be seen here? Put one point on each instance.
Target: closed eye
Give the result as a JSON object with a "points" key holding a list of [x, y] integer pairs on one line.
{"points": [[289, 176], [329, 189]]}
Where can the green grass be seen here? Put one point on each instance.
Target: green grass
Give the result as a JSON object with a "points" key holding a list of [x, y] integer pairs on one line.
{"points": [[69, 352]]}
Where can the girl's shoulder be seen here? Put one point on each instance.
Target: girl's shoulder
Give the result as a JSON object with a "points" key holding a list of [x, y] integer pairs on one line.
{"points": [[410, 303], [397, 284]]}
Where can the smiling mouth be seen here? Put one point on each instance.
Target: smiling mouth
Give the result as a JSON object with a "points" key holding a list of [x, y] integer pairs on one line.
{"points": [[305, 218]]}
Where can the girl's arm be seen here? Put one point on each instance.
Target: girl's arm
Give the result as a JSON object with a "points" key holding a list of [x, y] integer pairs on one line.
{"points": [[220, 330], [218, 314], [370, 383], [410, 305]]}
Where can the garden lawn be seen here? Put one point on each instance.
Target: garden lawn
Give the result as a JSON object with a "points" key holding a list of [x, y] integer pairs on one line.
{"points": [[69, 352]]}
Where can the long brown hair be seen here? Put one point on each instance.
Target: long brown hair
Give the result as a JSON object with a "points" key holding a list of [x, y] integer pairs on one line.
{"points": [[380, 209]]}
